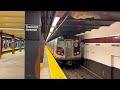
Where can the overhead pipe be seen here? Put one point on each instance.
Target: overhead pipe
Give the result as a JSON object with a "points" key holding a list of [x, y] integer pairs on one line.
{"points": [[91, 19]]}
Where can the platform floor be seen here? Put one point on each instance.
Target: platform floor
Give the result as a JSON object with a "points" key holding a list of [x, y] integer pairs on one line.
{"points": [[45, 70], [12, 65], [50, 69]]}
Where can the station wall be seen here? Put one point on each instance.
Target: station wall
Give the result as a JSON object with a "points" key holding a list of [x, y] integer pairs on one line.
{"points": [[101, 51]]}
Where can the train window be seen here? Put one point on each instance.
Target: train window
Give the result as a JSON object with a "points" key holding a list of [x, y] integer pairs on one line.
{"points": [[68, 44], [60, 45], [10, 45], [60, 48], [4, 45]]}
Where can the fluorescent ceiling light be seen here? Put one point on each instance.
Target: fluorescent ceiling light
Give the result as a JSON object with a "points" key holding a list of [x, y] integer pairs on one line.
{"points": [[56, 19], [11, 29], [48, 34], [6, 36], [51, 30], [77, 34]]}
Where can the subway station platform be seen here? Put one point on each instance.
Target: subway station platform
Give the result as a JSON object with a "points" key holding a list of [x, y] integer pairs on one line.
{"points": [[12, 65], [49, 68]]}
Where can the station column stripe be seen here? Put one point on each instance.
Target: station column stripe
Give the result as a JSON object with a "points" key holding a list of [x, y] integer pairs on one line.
{"points": [[55, 70]]}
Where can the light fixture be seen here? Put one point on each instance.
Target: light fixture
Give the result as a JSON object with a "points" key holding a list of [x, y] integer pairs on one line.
{"points": [[56, 19], [51, 30], [11, 29], [49, 34]]}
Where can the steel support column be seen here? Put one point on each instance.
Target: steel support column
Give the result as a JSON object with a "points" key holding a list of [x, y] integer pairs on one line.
{"points": [[0, 44], [20, 49], [13, 45], [32, 44]]}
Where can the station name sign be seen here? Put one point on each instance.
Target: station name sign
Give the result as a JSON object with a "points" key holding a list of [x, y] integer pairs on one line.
{"points": [[33, 28]]}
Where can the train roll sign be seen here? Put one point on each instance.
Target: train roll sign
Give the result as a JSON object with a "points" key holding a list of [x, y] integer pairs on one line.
{"points": [[32, 28]]}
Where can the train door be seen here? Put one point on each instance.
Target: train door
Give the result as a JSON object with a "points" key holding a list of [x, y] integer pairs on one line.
{"points": [[115, 62], [68, 48]]}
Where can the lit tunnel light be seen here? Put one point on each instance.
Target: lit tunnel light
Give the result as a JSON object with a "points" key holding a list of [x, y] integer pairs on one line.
{"points": [[11, 29], [51, 30], [55, 21]]}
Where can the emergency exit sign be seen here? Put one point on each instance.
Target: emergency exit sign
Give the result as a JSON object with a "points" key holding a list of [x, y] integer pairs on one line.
{"points": [[32, 28]]}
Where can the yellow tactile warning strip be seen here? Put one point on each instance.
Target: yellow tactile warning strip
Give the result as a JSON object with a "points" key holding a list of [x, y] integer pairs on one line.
{"points": [[7, 49], [55, 70], [41, 65], [9, 53]]}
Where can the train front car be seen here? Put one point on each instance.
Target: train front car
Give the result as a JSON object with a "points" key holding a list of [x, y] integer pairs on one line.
{"points": [[68, 51], [6, 44]]}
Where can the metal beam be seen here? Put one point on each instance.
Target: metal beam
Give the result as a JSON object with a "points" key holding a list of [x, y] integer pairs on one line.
{"points": [[79, 20]]}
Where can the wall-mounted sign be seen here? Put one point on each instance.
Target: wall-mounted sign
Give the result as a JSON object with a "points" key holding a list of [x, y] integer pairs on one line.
{"points": [[116, 45], [97, 44], [32, 28]]}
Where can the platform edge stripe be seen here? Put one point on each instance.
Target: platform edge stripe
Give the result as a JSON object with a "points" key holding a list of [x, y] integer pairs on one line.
{"points": [[41, 65], [6, 54], [9, 53], [55, 70]]}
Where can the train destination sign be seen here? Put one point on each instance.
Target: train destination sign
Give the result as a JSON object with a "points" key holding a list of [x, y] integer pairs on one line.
{"points": [[32, 27]]}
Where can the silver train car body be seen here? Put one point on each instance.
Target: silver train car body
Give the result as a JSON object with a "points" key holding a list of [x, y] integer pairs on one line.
{"points": [[65, 49]]}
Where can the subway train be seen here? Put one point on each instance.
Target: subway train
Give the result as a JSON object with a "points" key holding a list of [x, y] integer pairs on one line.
{"points": [[66, 50], [7, 43]]}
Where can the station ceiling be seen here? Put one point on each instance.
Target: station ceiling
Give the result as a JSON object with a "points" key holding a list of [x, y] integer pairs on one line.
{"points": [[76, 22], [13, 22], [70, 23]]}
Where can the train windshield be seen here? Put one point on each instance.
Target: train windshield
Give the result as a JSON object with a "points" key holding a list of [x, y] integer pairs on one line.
{"points": [[60, 45]]}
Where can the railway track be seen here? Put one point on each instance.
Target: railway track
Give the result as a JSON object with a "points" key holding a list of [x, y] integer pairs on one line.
{"points": [[76, 73]]}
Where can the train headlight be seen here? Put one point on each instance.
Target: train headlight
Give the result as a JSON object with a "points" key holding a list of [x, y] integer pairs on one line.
{"points": [[78, 52], [58, 52]]}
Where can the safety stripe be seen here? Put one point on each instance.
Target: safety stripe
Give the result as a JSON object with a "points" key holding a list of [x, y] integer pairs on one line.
{"points": [[41, 65], [55, 70], [6, 49], [114, 39], [9, 53]]}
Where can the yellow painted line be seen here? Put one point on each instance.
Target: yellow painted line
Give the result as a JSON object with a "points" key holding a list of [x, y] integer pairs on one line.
{"points": [[41, 65], [6, 54], [17, 51], [9, 53], [10, 49], [7, 49], [55, 70], [17, 48]]}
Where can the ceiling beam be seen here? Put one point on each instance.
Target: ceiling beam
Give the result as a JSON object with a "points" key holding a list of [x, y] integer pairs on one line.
{"points": [[78, 20], [81, 26]]}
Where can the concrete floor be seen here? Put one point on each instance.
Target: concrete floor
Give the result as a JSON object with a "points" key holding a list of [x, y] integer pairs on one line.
{"points": [[45, 71], [12, 66]]}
